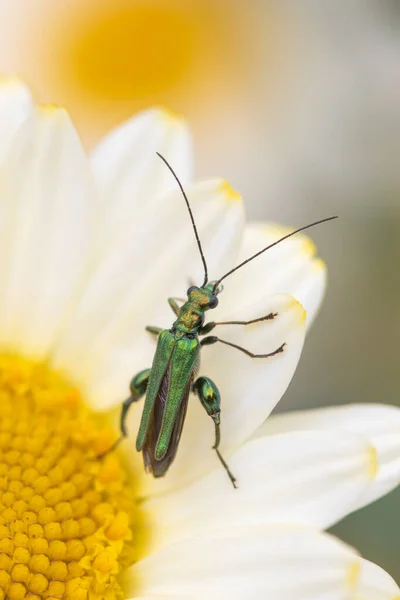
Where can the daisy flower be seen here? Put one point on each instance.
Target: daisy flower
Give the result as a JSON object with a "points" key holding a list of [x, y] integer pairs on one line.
{"points": [[91, 249]]}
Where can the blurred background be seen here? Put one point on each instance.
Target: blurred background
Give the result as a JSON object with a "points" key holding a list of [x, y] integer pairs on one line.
{"points": [[297, 103]]}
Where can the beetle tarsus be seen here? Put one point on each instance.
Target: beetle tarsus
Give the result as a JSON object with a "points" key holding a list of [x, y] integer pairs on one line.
{"points": [[227, 469], [111, 448]]}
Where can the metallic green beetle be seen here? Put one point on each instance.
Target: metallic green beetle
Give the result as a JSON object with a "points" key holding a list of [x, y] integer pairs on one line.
{"points": [[171, 378]]}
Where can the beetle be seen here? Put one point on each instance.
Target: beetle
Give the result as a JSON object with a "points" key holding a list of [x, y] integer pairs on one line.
{"points": [[172, 376]]}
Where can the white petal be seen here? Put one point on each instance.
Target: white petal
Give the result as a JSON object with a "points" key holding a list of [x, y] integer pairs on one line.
{"points": [[129, 173], [378, 423], [15, 105], [373, 583], [288, 268], [130, 288], [303, 478], [161, 597], [309, 288], [44, 205], [250, 388], [276, 562]]}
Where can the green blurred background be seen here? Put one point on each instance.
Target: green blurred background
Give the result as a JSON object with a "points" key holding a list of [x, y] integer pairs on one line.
{"points": [[296, 102]]}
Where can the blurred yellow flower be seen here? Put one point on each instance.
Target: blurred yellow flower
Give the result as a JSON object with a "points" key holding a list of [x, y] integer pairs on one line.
{"points": [[105, 59], [301, 95]]}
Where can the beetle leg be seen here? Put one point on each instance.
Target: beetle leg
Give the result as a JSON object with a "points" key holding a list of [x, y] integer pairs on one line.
{"points": [[154, 330], [138, 387], [174, 305], [213, 339], [210, 326], [207, 327], [210, 398]]}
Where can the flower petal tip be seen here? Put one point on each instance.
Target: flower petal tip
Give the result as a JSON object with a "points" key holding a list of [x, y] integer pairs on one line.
{"points": [[7, 81], [56, 117], [297, 308], [52, 110], [308, 247], [353, 574], [229, 192], [319, 264], [14, 88], [373, 462], [168, 115]]}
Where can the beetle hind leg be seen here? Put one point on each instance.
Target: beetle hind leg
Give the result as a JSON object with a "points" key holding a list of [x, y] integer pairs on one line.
{"points": [[227, 469], [210, 398]]}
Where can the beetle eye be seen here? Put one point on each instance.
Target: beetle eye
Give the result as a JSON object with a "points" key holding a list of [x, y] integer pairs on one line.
{"points": [[213, 302], [192, 289]]}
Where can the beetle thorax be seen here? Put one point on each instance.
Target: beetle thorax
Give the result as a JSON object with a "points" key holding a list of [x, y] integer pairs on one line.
{"points": [[191, 317]]}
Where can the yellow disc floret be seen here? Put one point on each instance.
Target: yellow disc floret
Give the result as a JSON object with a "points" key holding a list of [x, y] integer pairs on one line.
{"points": [[68, 522]]}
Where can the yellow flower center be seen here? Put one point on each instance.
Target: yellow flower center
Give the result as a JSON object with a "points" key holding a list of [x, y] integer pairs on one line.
{"points": [[133, 50], [107, 59], [68, 522]]}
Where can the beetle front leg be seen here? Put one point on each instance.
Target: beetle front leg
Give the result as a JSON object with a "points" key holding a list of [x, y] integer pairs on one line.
{"points": [[210, 326], [174, 305], [154, 330], [210, 398], [138, 387]]}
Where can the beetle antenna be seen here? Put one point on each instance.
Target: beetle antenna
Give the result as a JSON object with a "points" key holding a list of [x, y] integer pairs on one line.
{"points": [[191, 217], [271, 246]]}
